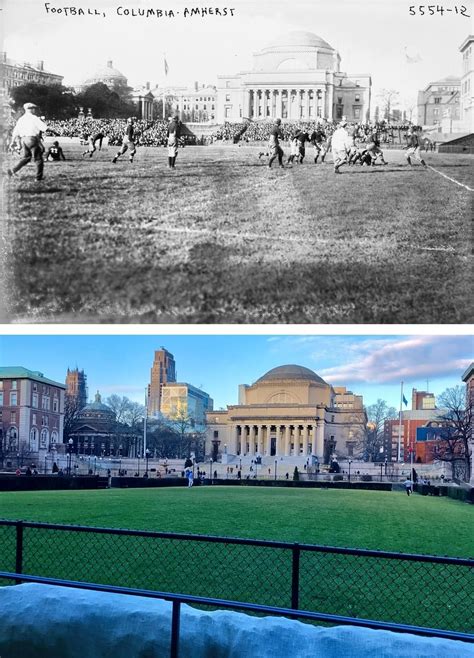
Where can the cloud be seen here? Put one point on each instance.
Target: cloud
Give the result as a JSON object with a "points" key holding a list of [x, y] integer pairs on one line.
{"points": [[403, 359]]}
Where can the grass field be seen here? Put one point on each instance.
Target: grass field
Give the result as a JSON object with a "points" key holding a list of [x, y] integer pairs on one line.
{"points": [[223, 239], [405, 592]]}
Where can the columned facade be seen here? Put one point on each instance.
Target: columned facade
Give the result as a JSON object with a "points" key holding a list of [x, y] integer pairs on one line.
{"points": [[290, 412], [276, 439], [294, 78], [302, 104]]}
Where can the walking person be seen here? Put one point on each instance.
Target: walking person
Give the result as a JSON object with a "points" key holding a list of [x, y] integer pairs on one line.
{"points": [[28, 130], [408, 486]]}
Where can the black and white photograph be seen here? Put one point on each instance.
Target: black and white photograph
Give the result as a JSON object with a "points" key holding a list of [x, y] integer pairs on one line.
{"points": [[270, 163]]}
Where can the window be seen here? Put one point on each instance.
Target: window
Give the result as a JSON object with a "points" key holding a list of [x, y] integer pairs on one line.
{"points": [[216, 434], [55, 405], [227, 113], [437, 100], [14, 386], [227, 84], [13, 417], [227, 97], [13, 399], [44, 438], [33, 419], [1, 398], [357, 100], [357, 113], [34, 402]]}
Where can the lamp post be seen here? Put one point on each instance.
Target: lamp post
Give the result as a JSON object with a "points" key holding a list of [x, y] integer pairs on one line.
{"points": [[256, 468], [381, 474], [276, 462], [147, 456], [210, 470], [69, 455], [350, 462], [385, 467]]}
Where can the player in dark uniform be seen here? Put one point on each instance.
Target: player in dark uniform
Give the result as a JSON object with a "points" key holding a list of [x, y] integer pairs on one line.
{"points": [[274, 144], [317, 139], [55, 153], [413, 147], [92, 140], [128, 142], [173, 136], [373, 147]]}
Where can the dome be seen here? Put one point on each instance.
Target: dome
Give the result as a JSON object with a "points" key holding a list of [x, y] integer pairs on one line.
{"points": [[97, 407], [291, 372], [106, 74], [297, 40]]}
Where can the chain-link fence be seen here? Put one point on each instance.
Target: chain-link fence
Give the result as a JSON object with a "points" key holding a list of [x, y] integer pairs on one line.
{"points": [[429, 591]]}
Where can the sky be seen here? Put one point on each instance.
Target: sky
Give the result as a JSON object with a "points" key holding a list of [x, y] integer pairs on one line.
{"points": [[372, 36], [370, 365]]}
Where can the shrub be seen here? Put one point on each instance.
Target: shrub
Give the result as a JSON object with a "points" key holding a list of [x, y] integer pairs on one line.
{"points": [[338, 478], [296, 474]]}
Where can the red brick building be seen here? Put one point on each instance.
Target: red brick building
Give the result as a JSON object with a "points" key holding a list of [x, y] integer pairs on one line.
{"points": [[31, 415]]}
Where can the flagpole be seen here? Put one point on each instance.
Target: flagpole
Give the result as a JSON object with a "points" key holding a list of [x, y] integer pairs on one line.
{"points": [[144, 421], [400, 423]]}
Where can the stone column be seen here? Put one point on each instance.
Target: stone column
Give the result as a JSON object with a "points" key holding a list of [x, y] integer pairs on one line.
{"points": [[264, 104], [287, 439], [279, 104], [252, 440], [313, 439], [296, 440], [255, 104], [243, 440], [246, 103], [305, 440], [320, 440], [315, 103], [323, 102], [235, 440], [306, 104], [330, 99], [259, 439]]}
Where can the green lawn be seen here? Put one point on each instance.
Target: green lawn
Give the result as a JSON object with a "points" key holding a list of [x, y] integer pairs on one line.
{"points": [[223, 239], [405, 592]]}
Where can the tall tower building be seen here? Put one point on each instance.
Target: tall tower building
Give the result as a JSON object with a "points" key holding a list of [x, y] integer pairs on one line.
{"points": [[76, 386], [163, 372]]}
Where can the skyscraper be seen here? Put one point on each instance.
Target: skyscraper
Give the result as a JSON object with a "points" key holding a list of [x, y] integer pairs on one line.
{"points": [[76, 386], [163, 372]]}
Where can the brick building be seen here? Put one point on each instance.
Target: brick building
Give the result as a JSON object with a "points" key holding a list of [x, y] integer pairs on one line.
{"points": [[31, 415]]}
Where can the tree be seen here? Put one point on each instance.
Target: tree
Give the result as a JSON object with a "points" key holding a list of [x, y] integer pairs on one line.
{"points": [[388, 100], [128, 423], [71, 412], [54, 101], [455, 432], [377, 414], [105, 103]]}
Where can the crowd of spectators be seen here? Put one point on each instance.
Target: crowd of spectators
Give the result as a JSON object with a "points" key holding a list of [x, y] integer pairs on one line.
{"points": [[154, 133]]}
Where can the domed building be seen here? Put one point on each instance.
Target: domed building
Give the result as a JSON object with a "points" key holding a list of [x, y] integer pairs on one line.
{"points": [[289, 412], [94, 428], [297, 76], [108, 75]]}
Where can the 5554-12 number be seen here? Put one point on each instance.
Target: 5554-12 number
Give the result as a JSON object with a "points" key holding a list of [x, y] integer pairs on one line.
{"points": [[431, 10]]}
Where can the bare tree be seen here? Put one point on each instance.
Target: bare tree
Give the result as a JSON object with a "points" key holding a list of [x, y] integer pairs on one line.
{"points": [[377, 414], [388, 99], [72, 408], [454, 432]]}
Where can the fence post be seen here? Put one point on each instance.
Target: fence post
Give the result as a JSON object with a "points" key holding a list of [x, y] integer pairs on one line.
{"points": [[19, 550], [175, 620], [295, 577]]}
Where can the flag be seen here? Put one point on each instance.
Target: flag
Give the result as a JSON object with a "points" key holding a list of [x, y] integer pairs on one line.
{"points": [[405, 401], [166, 65]]}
